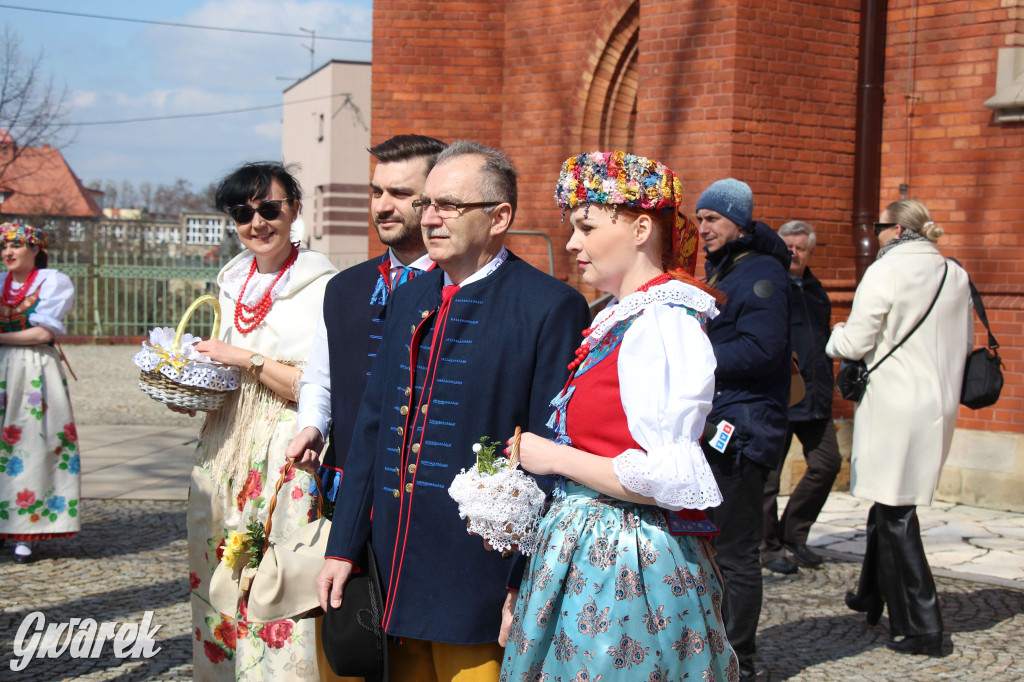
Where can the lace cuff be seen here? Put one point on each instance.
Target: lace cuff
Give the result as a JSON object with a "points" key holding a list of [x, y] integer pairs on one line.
{"points": [[677, 476]]}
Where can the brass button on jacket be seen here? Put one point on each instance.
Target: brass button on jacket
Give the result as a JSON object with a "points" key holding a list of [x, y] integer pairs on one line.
{"points": [[412, 468], [408, 487], [396, 492], [401, 431], [403, 410], [415, 448]]}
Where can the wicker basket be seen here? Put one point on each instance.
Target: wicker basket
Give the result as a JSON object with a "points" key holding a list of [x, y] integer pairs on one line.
{"points": [[165, 390]]}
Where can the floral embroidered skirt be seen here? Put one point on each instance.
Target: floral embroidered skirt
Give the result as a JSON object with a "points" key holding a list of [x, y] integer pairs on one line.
{"points": [[229, 646], [611, 595], [40, 479]]}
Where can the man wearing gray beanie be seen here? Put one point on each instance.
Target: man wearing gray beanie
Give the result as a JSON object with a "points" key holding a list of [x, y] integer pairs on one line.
{"points": [[749, 263]]}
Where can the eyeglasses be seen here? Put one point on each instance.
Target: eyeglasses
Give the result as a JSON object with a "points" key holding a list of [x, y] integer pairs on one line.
{"points": [[451, 209], [268, 210], [879, 227]]}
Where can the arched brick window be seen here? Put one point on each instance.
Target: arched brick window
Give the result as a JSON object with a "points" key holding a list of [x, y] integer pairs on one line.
{"points": [[609, 117]]}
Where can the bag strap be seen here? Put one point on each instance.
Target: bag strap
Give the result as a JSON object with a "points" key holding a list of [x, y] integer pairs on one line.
{"points": [[945, 271], [273, 501], [979, 308]]}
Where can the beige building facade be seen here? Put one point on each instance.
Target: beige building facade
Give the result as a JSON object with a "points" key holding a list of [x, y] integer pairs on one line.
{"points": [[326, 131]]}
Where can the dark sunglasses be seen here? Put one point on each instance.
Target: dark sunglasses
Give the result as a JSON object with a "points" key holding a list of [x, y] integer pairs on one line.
{"points": [[268, 210], [879, 227]]}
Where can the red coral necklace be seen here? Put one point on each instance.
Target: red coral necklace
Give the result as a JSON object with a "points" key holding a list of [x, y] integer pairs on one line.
{"points": [[248, 318], [14, 300]]}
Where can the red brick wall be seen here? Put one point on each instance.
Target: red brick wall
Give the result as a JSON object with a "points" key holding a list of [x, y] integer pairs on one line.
{"points": [[760, 90], [965, 168]]}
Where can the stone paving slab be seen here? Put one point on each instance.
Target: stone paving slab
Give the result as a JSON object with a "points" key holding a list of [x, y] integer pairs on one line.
{"points": [[131, 557]]}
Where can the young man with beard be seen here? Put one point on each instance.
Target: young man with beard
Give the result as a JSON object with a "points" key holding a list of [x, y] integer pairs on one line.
{"points": [[351, 324]]}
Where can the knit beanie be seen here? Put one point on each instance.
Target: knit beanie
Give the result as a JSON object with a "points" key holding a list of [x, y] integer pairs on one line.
{"points": [[730, 197]]}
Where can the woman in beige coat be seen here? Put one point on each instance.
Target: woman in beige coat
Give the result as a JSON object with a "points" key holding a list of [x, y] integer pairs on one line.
{"points": [[904, 423]]}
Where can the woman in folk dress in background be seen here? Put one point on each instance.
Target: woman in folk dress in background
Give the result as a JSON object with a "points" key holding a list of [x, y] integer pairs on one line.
{"points": [[40, 482]]}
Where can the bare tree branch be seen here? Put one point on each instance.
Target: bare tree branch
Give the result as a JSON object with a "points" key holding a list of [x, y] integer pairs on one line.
{"points": [[32, 110]]}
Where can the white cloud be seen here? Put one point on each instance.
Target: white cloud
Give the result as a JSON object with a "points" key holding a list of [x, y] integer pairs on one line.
{"points": [[81, 98], [237, 61], [270, 130]]}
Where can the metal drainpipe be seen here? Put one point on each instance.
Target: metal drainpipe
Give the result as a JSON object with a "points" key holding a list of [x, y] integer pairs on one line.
{"points": [[867, 158]]}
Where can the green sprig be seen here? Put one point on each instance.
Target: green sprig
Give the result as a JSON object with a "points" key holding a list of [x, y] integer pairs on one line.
{"points": [[488, 459]]}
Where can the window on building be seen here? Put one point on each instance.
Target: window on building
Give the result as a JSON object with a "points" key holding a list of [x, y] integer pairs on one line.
{"points": [[76, 231], [194, 231], [214, 230]]}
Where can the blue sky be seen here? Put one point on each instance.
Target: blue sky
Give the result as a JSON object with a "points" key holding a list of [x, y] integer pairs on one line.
{"points": [[115, 70]]}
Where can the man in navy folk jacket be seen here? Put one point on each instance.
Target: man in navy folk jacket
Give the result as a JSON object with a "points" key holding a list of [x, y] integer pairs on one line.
{"points": [[810, 419], [746, 261], [474, 348]]}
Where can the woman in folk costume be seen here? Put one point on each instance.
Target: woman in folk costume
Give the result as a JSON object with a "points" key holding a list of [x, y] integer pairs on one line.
{"points": [[273, 292], [623, 584], [40, 483]]}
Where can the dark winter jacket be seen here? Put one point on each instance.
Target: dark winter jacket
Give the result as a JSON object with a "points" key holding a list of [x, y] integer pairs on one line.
{"points": [[751, 341], [810, 313]]}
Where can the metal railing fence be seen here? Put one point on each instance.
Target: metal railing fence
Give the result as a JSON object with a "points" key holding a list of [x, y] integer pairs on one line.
{"points": [[118, 294]]}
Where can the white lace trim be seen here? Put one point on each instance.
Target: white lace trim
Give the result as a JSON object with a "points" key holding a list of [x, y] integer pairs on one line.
{"points": [[186, 365], [234, 279], [677, 476], [503, 508], [672, 291]]}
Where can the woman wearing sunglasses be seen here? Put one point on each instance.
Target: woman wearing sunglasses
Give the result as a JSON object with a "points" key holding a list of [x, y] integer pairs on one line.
{"points": [[272, 294], [903, 426]]}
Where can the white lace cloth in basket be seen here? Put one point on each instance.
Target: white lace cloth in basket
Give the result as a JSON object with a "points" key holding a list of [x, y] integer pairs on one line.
{"points": [[502, 508], [186, 365]]}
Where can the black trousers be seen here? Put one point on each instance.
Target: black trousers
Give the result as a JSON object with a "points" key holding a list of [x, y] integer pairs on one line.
{"points": [[738, 547], [821, 450], [896, 571]]}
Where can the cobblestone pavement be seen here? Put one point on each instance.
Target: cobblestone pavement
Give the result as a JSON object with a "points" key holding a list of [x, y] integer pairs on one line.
{"points": [[131, 557]]}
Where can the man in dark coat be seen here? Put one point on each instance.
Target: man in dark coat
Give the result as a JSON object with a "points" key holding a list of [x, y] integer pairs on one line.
{"points": [[350, 327], [747, 262], [810, 419], [474, 348]]}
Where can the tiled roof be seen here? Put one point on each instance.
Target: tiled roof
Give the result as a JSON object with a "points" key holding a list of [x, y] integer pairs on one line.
{"points": [[39, 182]]}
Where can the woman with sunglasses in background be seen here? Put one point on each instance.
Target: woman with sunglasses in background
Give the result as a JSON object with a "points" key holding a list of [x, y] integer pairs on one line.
{"points": [[270, 298], [40, 486], [903, 425]]}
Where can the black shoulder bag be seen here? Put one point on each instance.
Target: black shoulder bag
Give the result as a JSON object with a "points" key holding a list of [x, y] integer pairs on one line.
{"points": [[983, 373], [852, 379]]}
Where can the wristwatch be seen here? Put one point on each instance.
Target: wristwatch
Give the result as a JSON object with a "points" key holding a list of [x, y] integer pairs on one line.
{"points": [[255, 360]]}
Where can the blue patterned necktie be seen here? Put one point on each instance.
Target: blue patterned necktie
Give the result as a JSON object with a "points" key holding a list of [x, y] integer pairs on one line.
{"points": [[404, 274], [385, 285]]}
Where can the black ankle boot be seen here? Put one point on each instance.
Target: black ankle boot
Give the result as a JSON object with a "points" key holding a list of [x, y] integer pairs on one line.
{"points": [[873, 608], [918, 644]]}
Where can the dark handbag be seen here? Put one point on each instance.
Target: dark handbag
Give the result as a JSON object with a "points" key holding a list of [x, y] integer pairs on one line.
{"points": [[354, 640], [852, 379], [983, 373]]}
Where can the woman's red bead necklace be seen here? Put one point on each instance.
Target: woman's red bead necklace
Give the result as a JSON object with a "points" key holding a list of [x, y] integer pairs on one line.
{"points": [[248, 318], [14, 300]]}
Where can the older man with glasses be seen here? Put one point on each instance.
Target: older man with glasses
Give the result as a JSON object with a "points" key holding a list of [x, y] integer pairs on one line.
{"points": [[473, 348]]}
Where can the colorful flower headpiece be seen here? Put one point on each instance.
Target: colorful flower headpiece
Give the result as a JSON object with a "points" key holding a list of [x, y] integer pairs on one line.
{"points": [[18, 231], [622, 179]]}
